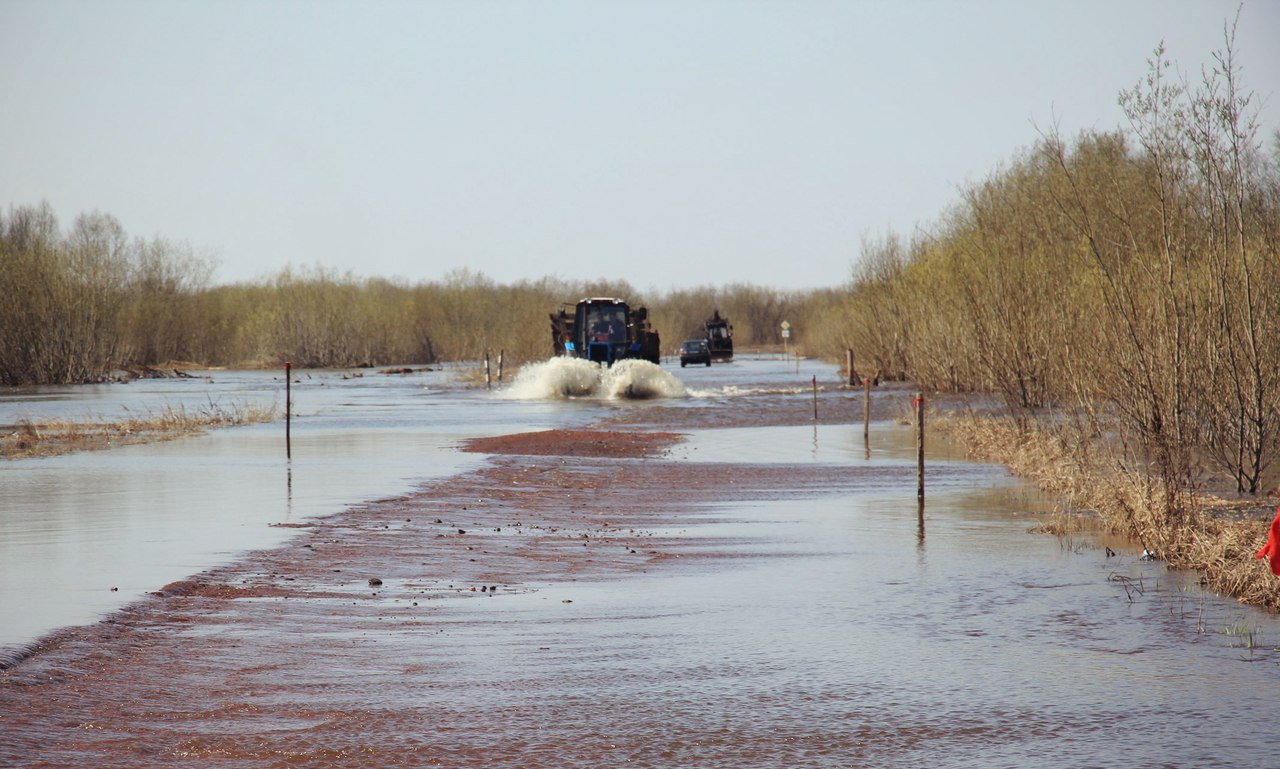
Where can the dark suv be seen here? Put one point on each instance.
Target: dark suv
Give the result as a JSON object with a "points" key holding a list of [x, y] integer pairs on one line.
{"points": [[694, 351]]}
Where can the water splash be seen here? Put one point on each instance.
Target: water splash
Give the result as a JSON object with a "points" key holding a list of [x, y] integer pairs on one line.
{"points": [[640, 379], [565, 377], [555, 378]]}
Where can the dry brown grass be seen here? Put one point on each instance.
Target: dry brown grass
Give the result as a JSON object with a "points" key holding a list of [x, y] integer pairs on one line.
{"points": [[1066, 523], [1211, 538], [53, 437]]}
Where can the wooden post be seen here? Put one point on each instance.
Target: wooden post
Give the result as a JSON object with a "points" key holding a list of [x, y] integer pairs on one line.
{"points": [[815, 397], [920, 520], [501, 354], [848, 359], [288, 413], [866, 410], [488, 377], [919, 445]]}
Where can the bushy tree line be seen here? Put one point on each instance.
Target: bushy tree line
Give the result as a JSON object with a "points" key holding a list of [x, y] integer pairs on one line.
{"points": [[90, 299], [1129, 279], [755, 313], [76, 302]]}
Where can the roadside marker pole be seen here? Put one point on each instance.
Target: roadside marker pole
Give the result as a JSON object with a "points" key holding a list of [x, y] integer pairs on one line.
{"points": [[288, 412], [919, 404], [920, 468], [866, 410], [815, 397]]}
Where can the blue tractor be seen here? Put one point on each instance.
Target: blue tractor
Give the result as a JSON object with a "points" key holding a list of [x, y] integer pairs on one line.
{"points": [[604, 330]]}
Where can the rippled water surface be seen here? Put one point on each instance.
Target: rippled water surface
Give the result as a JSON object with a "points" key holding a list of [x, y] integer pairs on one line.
{"points": [[74, 527], [849, 641], [846, 627]]}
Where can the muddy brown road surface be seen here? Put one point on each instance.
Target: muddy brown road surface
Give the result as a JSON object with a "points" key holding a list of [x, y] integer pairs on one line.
{"points": [[341, 647]]}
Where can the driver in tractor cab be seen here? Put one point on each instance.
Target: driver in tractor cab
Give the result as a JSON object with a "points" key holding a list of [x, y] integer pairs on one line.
{"points": [[610, 328]]}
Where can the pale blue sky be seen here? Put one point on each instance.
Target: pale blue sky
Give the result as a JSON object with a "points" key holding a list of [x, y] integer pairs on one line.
{"points": [[669, 144]]}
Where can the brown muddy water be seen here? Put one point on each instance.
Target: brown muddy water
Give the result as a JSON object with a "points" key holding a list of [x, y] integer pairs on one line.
{"points": [[765, 594]]}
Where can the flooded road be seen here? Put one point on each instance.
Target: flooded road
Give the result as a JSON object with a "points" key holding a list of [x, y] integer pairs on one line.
{"points": [[767, 594], [86, 533]]}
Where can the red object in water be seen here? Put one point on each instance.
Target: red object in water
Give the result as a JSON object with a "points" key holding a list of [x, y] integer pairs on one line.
{"points": [[1272, 548]]}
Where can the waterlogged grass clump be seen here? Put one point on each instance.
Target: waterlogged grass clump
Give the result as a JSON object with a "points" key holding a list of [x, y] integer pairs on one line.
{"points": [[33, 438], [1202, 535]]}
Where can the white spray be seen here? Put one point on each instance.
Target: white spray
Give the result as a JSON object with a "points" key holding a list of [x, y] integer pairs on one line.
{"points": [[566, 377], [639, 379]]}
